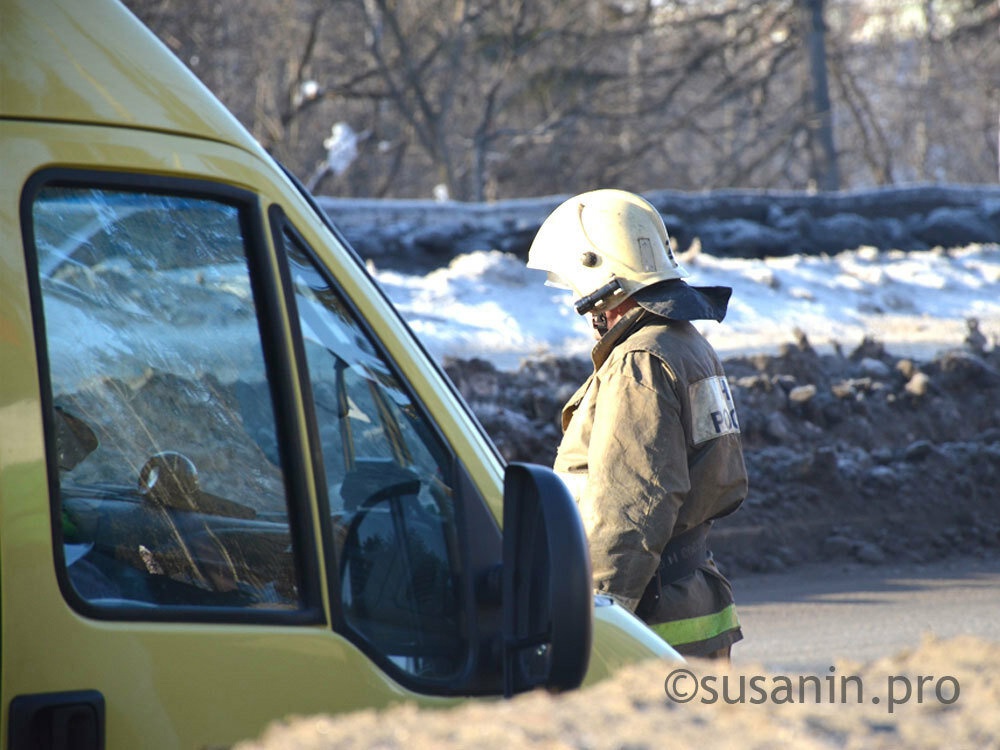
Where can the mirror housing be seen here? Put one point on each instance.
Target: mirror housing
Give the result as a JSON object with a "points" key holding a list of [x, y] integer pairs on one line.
{"points": [[548, 602]]}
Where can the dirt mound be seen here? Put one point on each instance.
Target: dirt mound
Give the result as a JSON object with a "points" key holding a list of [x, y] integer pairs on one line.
{"points": [[942, 694], [860, 456], [418, 234]]}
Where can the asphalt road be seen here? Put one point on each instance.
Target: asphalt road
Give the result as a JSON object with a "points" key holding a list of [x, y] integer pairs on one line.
{"points": [[806, 619]]}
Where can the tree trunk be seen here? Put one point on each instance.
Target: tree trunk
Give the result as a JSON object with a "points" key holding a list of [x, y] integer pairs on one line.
{"points": [[823, 152]]}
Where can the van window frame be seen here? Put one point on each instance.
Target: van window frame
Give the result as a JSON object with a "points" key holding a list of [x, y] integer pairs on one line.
{"points": [[473, 519], [268, 303], [343, 242]]}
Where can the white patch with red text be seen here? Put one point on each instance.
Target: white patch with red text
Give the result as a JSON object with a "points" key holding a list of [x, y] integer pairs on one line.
{"points": [[713, 413]]}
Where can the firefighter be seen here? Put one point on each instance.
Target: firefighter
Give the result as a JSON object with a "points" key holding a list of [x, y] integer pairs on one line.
{"points": [[651, 445]]}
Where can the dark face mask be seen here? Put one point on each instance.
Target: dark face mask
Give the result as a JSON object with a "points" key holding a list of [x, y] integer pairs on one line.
{"points": [[600, 323]]}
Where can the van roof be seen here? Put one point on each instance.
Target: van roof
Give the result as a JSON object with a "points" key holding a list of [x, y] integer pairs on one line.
{"points": [[94, 62]]}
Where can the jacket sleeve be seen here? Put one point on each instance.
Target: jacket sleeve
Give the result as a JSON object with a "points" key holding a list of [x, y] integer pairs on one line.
{"points": [[637, 474]]}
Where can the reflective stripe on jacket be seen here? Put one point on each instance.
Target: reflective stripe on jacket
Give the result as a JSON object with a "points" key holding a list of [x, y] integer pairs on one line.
{"points": [[651, 448]]}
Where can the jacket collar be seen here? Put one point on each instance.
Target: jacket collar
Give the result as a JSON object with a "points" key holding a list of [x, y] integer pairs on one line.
{"points": [[630, 321], [673, 300], [676, 300]]}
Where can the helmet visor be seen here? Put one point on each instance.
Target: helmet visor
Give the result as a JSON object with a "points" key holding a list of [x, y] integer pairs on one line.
{"points": [[555, 281]]}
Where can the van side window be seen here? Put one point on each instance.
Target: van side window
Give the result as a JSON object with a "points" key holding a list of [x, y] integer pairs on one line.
{"points": [[390, 489], [171, 492]]}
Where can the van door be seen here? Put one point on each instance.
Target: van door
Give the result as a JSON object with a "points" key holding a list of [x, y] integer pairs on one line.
{"points": [[179, 581], [391, 487]]}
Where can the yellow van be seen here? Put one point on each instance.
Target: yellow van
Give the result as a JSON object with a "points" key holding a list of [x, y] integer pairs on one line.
{"points": [[233, 487]]}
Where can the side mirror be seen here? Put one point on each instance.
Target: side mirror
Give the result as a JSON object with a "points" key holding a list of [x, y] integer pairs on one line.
{"points": [[548, 602]]}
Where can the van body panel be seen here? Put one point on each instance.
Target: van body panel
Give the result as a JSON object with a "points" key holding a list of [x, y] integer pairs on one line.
{"points": [[91, 63]]}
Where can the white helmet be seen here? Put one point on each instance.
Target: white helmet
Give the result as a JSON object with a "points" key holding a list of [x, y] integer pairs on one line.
{"points": [[604, 245]]}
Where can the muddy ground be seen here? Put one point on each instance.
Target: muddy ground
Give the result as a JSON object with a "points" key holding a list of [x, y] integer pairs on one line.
{"points": [[856, 455]]}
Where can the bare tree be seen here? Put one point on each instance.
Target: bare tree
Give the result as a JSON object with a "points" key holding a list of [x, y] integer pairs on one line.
{"points": [[480, 100]]}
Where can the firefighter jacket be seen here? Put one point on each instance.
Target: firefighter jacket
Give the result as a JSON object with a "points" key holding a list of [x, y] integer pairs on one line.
{"points": [[651, 449]]}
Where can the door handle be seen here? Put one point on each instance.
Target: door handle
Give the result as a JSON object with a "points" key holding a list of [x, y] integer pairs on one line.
{"points": [[57, 721]]}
